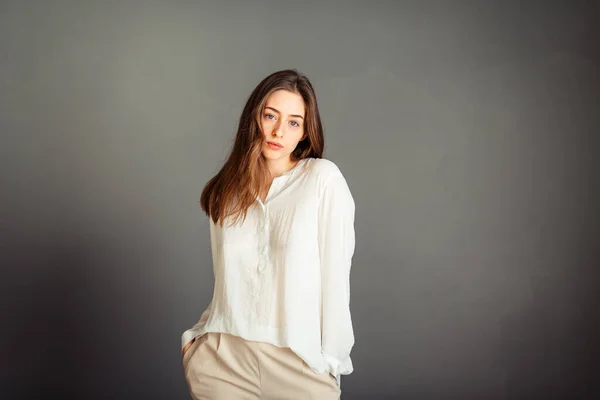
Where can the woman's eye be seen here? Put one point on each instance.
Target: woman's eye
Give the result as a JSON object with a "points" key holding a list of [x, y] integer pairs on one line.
{"points": [[294, 123], [270, 116]]}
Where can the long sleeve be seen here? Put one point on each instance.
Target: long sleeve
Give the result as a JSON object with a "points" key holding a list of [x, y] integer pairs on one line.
{"points": [[194, 331], [336, 248]]}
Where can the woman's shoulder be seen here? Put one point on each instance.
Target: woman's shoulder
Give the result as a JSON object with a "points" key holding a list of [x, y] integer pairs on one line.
{"points": [[329, 179], [323, 168]]}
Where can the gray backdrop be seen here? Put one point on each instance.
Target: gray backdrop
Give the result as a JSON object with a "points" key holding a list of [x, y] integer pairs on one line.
{"points": [[467, 132]]}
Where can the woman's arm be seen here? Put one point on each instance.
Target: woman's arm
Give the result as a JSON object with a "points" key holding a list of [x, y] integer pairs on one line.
{"points": [[336, 246]]}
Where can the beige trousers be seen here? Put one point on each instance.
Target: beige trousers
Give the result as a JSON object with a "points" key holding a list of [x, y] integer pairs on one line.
{"points": [[220, 366]]}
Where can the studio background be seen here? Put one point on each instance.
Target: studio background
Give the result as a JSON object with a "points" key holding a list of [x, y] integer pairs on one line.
{"points": [[467, 131]]}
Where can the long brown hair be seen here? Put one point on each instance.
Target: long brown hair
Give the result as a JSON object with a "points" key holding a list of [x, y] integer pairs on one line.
{"points": [[245, 174]]}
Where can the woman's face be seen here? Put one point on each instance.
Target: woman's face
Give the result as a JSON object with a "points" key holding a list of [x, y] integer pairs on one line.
{"points": [[282, 125]]}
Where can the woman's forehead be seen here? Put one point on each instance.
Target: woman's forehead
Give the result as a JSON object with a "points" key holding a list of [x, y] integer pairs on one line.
{"points": [[286, 103]]}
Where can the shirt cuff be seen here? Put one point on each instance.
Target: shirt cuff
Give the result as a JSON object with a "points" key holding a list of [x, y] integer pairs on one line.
{"points": [[337, 367]]}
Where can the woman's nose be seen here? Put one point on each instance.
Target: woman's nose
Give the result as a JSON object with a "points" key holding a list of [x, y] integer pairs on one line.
{"points": [[278, 131]]}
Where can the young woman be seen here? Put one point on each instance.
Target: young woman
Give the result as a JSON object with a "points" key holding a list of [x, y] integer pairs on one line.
{"points": [[282, 239]]}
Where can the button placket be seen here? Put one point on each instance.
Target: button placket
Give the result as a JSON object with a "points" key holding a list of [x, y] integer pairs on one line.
{"points": [[264, 250]]}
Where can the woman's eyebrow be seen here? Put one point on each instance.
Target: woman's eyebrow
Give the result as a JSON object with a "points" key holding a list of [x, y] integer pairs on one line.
{"points": [[291, 115]]}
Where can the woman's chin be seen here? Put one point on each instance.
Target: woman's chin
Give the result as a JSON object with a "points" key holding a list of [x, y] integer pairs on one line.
{"points": [[272, 155]]}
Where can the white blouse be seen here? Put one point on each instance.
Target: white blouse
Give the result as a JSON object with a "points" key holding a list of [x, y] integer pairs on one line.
{"points": [[283, 275]]}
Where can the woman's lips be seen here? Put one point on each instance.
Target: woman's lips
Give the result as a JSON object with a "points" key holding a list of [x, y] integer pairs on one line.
{"points": [[274, 145]]}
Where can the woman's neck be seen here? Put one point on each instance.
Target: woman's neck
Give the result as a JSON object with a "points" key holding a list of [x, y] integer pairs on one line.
{"points": [[281, 167]]}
